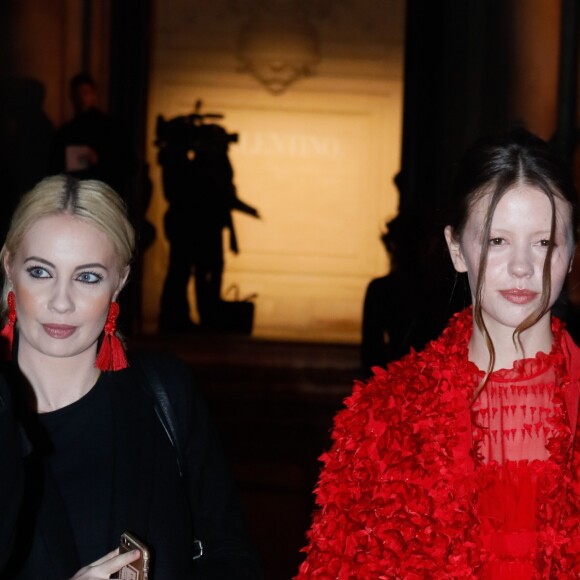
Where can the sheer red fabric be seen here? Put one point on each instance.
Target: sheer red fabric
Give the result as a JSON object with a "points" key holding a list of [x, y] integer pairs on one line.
{"points": [[513, 420]]}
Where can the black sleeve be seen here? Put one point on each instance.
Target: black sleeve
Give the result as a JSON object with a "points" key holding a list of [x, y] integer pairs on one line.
{"points": [[10, 474], [218, 518]]}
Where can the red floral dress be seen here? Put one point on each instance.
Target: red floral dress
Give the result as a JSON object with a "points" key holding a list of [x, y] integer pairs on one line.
{"points": [[419, 485]]}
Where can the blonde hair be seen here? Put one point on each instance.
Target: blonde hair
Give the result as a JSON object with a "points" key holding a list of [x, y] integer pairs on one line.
{"points": [[90, 200]]}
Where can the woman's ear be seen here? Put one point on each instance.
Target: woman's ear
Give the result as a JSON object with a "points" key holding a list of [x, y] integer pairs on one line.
{"points": [[572, 260], [122, 281], [7, 269], [455, 250]]}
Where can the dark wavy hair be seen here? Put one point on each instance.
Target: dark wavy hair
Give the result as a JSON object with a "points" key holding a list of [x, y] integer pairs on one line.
{"points": [[493, 167]]}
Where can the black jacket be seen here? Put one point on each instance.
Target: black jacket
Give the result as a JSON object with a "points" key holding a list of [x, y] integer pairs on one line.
{"points": [[149, 496], [10, 473]]}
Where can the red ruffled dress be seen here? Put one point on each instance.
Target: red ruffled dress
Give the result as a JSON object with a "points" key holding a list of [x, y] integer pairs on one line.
{"points": [[418, 484], [513, 421]]}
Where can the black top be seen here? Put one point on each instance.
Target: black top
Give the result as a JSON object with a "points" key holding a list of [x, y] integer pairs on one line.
{"points": [[79, 458], [144, 492]]}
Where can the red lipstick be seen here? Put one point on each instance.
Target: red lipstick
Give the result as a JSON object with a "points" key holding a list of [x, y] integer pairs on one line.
{"points": [[517, 296], [59, 330]]}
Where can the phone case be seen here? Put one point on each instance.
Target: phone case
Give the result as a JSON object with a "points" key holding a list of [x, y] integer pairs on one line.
{"points": [[138, 570]]}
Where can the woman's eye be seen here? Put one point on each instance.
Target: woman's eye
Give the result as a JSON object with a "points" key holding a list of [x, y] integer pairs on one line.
{"points": [[545, 243], [89, 277], [38, 272], [496, 241]]}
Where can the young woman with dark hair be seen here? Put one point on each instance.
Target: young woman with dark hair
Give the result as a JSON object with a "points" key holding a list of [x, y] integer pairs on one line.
{"points": [[462, 461]]}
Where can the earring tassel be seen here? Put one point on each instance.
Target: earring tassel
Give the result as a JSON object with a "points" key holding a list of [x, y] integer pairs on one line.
{"points": [[8, 330], [111, 355]]}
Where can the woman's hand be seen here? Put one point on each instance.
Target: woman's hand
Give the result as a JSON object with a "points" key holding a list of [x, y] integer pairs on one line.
{"points": [[107, 565]]}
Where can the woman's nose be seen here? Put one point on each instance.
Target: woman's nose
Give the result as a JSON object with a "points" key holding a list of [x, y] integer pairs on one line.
{"points": [[61, 299], [521, 264]]}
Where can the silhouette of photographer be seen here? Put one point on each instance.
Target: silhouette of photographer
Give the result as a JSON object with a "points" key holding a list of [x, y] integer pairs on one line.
{"points": [[93, 144], [198, 183]]}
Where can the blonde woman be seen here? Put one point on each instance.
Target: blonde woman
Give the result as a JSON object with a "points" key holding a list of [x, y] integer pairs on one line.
{"points": [[99, 462]]}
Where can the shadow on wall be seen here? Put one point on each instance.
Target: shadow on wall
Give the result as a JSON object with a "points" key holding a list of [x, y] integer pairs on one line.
{"points": [[412, 304]]}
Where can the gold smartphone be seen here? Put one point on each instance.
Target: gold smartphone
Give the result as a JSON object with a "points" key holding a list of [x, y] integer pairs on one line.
{"points": [[138, 570]]}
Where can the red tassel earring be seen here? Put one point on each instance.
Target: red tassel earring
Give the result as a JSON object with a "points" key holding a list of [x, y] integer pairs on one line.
{"points": [[8, 330], [111, 356]]}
